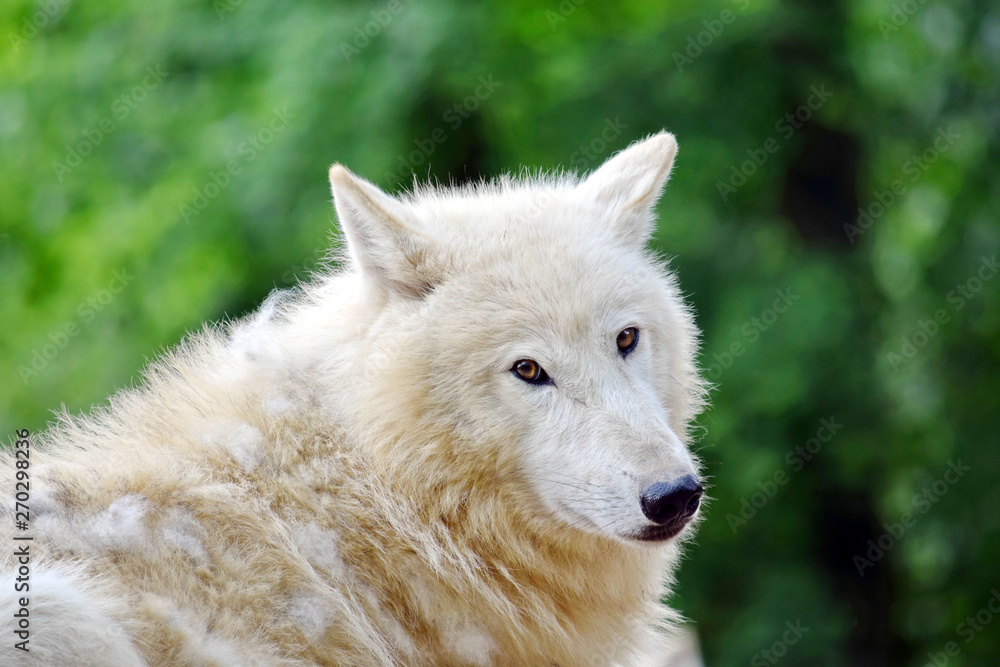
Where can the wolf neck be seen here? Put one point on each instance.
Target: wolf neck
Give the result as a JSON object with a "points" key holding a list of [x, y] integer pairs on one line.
{"points": [[536, 590]]}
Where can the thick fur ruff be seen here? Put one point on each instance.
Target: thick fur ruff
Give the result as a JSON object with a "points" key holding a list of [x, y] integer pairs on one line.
{"points": [[354, 475]]}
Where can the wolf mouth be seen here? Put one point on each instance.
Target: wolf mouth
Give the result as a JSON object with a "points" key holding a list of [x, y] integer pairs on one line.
{"points": [[660, 533]]}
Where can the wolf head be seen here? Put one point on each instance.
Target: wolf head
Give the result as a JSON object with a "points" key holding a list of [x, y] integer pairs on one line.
{"points": [[528, 317]]}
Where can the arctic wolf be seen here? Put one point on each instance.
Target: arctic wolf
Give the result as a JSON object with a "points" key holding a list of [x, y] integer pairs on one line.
{"points": [[467, 445]]}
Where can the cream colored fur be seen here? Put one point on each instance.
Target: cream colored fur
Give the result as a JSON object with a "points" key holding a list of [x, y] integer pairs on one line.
{"points": [[354, 476]]}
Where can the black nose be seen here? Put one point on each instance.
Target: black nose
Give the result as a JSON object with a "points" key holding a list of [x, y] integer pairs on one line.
{"points": [[666, 502]]}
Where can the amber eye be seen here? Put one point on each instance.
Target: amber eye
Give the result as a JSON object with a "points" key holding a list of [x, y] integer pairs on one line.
{"points": [[530, 371], [627, 340]]}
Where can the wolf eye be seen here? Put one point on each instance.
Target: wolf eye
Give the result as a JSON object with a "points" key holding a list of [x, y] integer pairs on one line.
{"points": [[627, 339], [530, 371]]}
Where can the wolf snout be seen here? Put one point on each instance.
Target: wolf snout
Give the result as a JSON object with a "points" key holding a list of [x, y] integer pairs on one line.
{"points": [[671, 502]]}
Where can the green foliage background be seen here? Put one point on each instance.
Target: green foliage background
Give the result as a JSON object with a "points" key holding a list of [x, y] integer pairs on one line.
{"points": [[850, 346]]}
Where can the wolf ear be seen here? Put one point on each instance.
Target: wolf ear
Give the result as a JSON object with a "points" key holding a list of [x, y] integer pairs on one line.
{"points": [[629, 184], [382, 238]]}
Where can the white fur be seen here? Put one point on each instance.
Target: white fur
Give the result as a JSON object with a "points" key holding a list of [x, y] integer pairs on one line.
{"points": [[468, 643], [72, 622], [241, 440], [355, 476], [310, 613], [319, 547]]}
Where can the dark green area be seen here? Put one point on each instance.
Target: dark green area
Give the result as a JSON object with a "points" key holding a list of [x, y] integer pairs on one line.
{"points": [[878, 336]]}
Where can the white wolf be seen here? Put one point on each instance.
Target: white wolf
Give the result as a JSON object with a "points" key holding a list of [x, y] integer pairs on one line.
{"points": [[466, 446]]}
